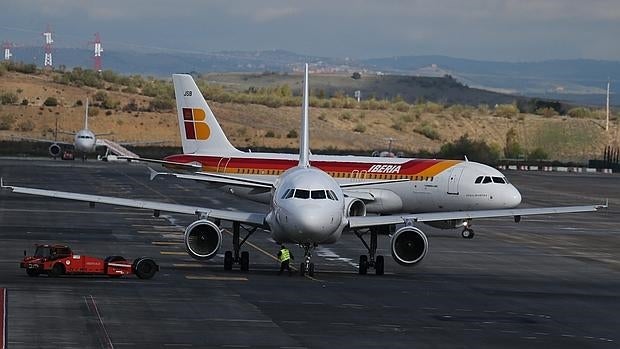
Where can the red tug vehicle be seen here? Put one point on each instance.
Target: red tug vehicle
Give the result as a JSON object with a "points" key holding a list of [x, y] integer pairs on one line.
{"points": [[56, 260]]}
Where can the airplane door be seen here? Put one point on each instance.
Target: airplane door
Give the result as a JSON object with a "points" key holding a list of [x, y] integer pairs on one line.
{"points": [[454, 179]]}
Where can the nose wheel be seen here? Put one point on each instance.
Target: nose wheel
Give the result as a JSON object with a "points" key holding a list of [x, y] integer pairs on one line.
{"points": [[307, 266]]}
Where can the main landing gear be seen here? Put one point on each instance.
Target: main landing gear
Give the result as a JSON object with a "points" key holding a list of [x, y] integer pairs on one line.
{"points": [[372, 260], [468, 232], [238, 256], [307, 266]]}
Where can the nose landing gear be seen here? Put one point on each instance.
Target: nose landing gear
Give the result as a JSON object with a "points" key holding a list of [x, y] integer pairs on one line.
{"points": [[307, 266]]}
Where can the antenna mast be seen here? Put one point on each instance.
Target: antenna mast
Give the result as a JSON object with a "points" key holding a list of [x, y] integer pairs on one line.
{"points": [[6, 47], [47, 62], [607, 122], [98, 50]]}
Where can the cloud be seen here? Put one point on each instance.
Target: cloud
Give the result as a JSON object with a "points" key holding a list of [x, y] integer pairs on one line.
{"points": [[270, 14]]}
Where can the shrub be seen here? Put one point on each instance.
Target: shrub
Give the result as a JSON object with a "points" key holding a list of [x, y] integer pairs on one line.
{"points": [[361, 128], [100, 96], [24, 101], [401, 106], [291, 134], [160, 104], [270, 134], [538, 154], [25, 126], [428, 132], [8, 98], [580, 112], [506, 111], [546, 112], [475, 150], [50, 102], [6, 121], [94, 111]]}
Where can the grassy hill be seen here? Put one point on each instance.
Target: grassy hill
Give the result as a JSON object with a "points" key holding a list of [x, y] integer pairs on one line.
{"points": [[133, 116]]}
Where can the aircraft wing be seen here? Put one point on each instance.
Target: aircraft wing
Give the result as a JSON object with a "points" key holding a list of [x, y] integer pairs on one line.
{"points": [[168, 164], [217, 179], [42, 140], [367, 221], [257, 219]]}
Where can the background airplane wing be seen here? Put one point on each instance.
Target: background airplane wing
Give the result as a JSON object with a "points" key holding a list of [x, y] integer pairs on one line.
{"points": [[367, 221], [257, 219], [41, 140], [168, 164]]}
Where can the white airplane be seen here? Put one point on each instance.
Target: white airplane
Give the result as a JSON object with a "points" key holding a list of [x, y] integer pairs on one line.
{"points": [[307, 205], [84, 141]]}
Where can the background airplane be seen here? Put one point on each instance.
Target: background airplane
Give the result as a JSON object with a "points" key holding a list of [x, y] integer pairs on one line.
{"points": [[85, 142], [307, 206]]}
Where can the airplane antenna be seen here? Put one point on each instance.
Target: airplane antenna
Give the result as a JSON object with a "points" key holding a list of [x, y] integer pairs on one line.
{"points": [[304, 146], [47, 47]]}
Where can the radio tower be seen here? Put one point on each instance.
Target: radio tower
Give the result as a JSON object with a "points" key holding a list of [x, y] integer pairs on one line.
{"points": [[47, 63], [98, 50], [6, 47]]}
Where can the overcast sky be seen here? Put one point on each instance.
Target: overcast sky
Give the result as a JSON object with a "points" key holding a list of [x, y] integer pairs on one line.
{"points": [[505, 30]]}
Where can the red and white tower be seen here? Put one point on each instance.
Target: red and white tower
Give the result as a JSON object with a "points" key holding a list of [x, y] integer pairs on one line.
{"points": [[98, 50], [6, 47], [47, 62]]}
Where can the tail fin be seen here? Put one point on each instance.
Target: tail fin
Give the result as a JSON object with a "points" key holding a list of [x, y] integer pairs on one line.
{"points": [[86, 116], [200, 131], [304, 137]]}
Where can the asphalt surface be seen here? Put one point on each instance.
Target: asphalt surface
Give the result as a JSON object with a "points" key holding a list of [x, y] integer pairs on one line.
{"points": [[548, 281]]}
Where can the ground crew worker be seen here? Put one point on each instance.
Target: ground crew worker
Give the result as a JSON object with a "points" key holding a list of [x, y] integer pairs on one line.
{"points": [[285, 256]]}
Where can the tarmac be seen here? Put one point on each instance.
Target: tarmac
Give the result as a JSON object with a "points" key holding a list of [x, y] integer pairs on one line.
{"points": [[546, 282]]}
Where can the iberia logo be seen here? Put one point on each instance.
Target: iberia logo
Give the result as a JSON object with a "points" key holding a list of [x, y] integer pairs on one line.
{"points": [[195, 124]]}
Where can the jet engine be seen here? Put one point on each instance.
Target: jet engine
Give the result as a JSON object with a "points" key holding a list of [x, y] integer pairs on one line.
{"points": [[54, 150], [354, 207], [409, 246], [202, 239]]}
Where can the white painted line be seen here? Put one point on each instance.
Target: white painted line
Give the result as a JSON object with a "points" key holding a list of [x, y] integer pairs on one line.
{"points": [[108, 341], [172, 253], [3, 318]]}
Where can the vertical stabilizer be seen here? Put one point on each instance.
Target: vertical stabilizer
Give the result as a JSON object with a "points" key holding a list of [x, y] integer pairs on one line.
{"points": [[304, 137], [200, 131], [86, 116]]}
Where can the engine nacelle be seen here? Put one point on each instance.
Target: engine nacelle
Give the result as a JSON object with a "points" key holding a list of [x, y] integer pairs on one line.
{"points": [[354, 207], [447, 224], [409, 246], [54, 150], [202, 239]]}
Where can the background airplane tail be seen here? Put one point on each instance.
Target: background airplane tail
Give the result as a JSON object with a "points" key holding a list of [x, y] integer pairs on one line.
{"points": [[200, 131]]}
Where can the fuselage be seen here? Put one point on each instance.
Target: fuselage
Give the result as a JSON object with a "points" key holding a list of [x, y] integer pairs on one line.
{"points": [[307, 207], [85, 141], [430, 185]]}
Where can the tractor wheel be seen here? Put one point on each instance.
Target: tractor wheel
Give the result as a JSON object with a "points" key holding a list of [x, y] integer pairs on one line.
{"points": [[57, 270], [145, 268]]}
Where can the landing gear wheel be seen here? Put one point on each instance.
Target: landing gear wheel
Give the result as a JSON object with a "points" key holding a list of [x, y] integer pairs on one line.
{"points": [[228, 260], [245, 261], [363, 265], [379, 265], [467, 234], [32, 272], [57, 270], [311, 269], [302, 269]]}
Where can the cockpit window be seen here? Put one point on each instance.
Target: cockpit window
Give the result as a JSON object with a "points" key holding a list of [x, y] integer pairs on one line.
{"points": [[302, 194], [318, 194], [486, 180], [499, 180], [288, 193], [479, 180], [331, 195]]}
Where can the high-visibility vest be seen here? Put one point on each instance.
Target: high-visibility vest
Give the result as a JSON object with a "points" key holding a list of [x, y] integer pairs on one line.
{"points": [[285, 255]]}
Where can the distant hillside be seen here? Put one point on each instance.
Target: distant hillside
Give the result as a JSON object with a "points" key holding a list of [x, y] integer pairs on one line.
{"points": [[575, 80]]}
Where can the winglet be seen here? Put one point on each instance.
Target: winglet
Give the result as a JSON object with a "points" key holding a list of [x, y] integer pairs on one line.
{"points": [[304, 141], [2, 186], [153, 173]]}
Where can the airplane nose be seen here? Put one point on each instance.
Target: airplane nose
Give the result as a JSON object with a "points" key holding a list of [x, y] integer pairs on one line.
{"points": [[514, 198], [316, 225]]}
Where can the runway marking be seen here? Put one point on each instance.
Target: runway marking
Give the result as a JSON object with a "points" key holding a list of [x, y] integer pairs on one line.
{"points": [[189, 265], [3, 318], [173, 253], [93, 306], [165, 243], [216, 278]]}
